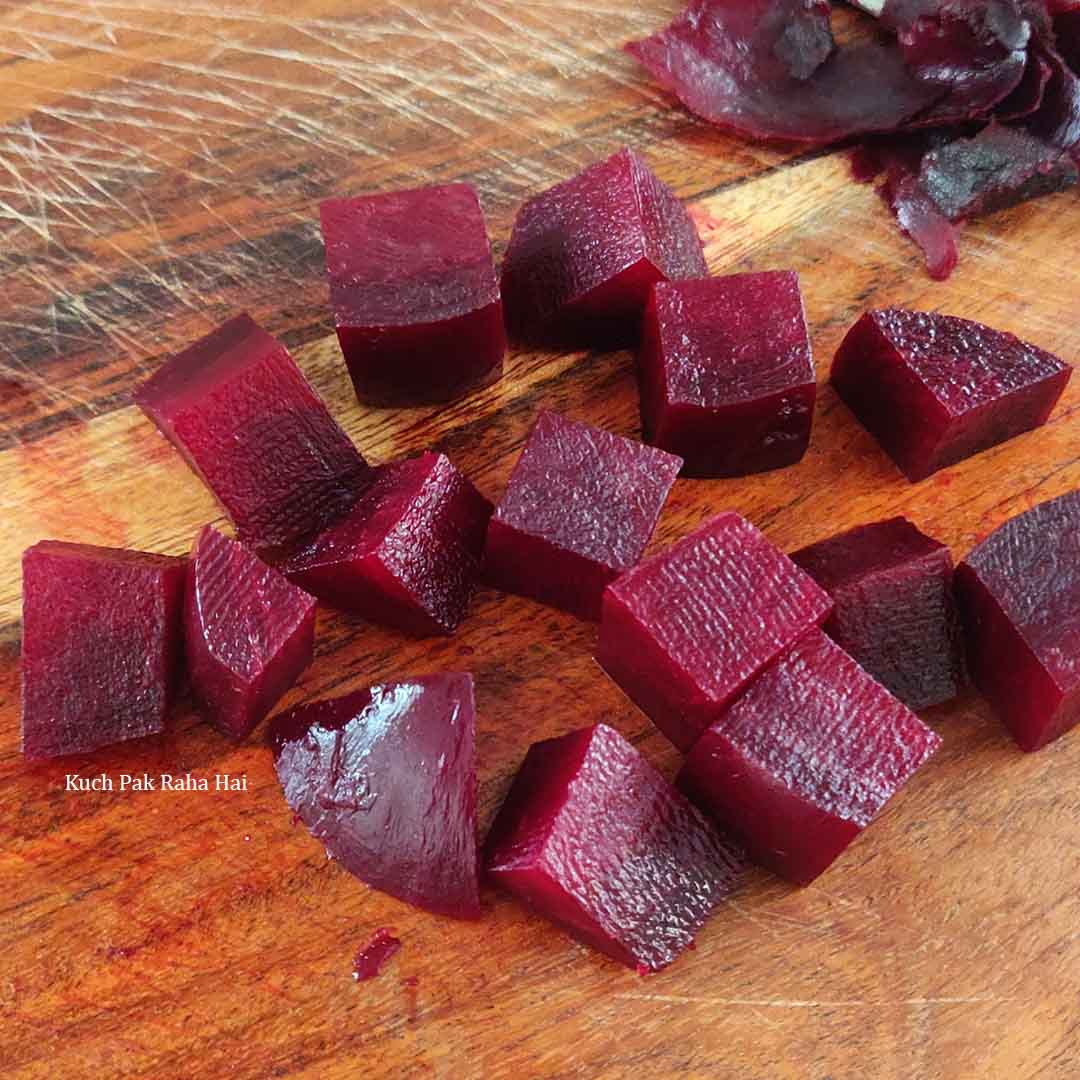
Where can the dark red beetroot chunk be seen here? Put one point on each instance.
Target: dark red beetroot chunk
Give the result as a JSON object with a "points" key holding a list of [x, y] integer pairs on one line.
{"points": [[584, 254], [595, 839], [579, 509], [414, 293], [407, 554], [1019, 597], [248, 632], [934, 389], [727, 380], [101, 645], [244, 417], [805, 759], [386, 779], [894, 610], [687, 629], [370, 958]]}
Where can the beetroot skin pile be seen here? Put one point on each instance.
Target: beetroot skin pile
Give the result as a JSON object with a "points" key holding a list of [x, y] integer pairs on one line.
{"points": [[787, 682]]}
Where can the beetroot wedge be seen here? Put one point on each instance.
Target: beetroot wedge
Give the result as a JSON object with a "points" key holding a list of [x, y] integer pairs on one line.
{"points": [[579, 509], [597, 841], [248, 633], [687, 629], [805, 759], [101, 645], [385, 778]]}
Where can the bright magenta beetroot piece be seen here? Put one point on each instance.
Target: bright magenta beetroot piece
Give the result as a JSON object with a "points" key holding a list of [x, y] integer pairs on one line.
{"points": [[408, 553], [102, 643], [578, 511], [805, 759], [248, 633], [892, 587], [683, 632], [727, 379], [597, 841], [584, 254], [934, 389], [414, 293], [385, 778], [1019, 597], [240, 411]]}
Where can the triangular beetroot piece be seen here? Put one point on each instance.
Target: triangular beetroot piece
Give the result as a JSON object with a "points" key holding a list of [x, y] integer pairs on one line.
{"points": [[385, 778], [248, 632]]}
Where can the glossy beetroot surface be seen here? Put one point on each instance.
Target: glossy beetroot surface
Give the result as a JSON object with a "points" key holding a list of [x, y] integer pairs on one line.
{"points": [[101, 645], [414, 293], [687, 629], [1019, 596], [934, 389], [373, 956], [805, 759], [248, 633], [385, 778], [579, 509], [238, 408], [727, 379], [597, 841], [584, 254]]}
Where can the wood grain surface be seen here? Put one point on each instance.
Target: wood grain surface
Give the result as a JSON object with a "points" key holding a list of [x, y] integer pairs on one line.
{"points": [[160, 164]]}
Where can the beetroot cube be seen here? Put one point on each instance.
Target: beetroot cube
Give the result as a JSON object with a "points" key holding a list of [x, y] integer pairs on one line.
{"points": [[101, 645], [584, 254], [408, 553], [1019, 594], [727, 381], [934, 389], [687, 629], [893, 607], [386, 779], [238, 408], [248, 632], [805, 759], [579, 509], [415, 297], [595, 839]]}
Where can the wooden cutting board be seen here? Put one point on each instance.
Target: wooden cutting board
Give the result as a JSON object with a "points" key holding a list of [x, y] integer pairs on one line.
{"points": [[161, 164]]}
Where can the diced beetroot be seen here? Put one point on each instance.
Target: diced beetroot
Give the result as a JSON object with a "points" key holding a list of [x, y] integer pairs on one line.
{"points": [[370, 958], [686, 630], [579, 509], [597, 841], [894, 610], [1019, 597], [101, 645], [727, 379], [805, 759], [415, 297], [238, 408], [248, 632], [584, 254], [386, 779], [934, 389], [408, 552]]}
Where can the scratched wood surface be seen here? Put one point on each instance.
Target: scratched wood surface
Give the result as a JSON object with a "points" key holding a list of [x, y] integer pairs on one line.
{"points": [[159, 169]]}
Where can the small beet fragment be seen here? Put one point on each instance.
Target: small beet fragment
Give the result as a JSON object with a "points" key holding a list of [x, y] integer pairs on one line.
{"points": [[408, 553], [414, 293], [597, 841], [805, 759], [727, 379], [583, 255], [686, 630], [370, 958], [385, 778], [935, 389], [101, 648], [579, 509], [248, 633], [894, 610], [238, 408]]}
